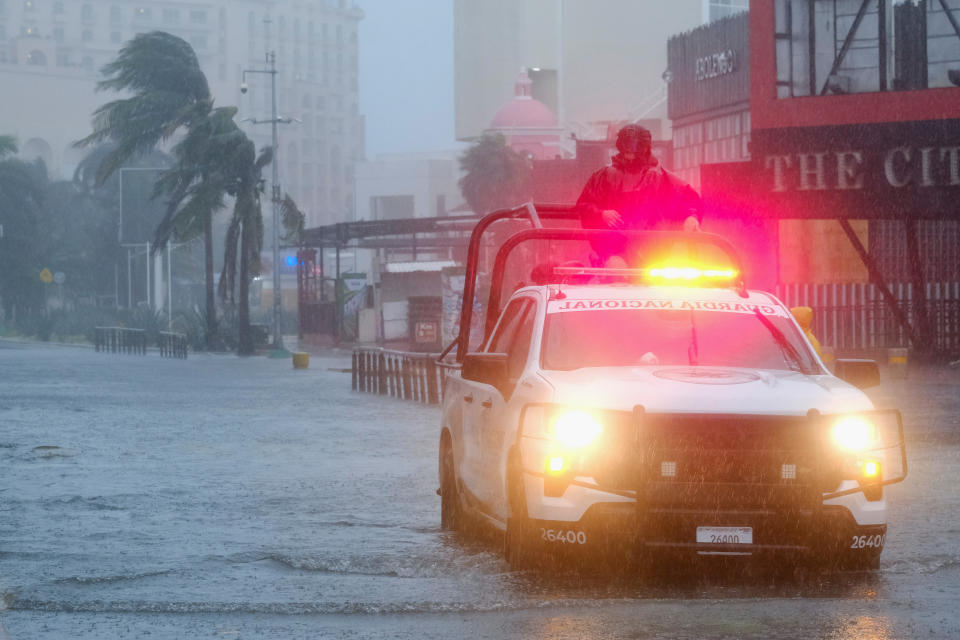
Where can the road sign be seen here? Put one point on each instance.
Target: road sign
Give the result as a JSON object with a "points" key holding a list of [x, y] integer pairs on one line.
{"points": [[59, 277], [46, 276]]}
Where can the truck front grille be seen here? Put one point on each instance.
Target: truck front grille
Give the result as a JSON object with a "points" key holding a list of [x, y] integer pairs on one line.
{"points": [[717, 462]]}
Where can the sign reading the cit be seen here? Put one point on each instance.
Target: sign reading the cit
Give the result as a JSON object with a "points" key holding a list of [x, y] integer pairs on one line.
{"points": [[715, 65], [898, 167], [880, 170]]}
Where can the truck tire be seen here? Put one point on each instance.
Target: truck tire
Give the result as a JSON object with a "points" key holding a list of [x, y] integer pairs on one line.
{"points": [[451, 511], [519, 548]]}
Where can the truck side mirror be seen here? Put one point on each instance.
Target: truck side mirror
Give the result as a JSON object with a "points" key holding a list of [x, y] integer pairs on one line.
{"points": [[862, 374], [489, 368]]}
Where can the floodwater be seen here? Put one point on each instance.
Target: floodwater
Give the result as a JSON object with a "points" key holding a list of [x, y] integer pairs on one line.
{"points": [[222, 497]]}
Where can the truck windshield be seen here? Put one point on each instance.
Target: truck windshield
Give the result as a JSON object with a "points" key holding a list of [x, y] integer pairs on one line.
{"points": [[637, 337]]}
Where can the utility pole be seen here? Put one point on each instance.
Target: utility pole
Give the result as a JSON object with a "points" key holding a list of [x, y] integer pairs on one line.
{"points": [[275, 187]]}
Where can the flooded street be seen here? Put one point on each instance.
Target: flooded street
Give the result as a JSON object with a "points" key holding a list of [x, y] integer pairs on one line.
{"points": [[238, 498]]}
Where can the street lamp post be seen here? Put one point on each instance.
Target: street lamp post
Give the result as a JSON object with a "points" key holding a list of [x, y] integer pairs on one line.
{"points": [[275, 189]]}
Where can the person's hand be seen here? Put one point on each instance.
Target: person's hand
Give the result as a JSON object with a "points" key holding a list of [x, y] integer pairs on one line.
{"points": [[612, 219], [691, 224]]}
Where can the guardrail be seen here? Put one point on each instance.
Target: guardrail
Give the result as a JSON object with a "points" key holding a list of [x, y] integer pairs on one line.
{"points": [[120, 340], [173, 345], [401, 374]]}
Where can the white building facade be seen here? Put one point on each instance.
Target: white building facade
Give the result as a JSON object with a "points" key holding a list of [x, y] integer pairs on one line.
{"points": [[51, 53]]}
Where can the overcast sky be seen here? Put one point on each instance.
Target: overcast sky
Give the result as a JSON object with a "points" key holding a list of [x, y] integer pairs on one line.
{"points": [[406, 75]]}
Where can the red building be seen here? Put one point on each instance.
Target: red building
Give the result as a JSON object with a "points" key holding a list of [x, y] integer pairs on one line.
{"points": [[850, 142]]}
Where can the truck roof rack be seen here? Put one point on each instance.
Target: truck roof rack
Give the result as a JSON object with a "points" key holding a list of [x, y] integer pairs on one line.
{"points": [[536, 214]]}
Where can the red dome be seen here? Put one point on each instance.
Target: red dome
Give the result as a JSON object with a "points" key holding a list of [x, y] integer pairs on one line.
{"points": [[522, 112]]}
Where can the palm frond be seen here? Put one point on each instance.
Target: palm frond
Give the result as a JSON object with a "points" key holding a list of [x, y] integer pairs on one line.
{"points": [[293, 219]]}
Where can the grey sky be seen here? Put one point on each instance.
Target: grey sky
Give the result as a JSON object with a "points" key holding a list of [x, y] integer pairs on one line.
{"points": [[406, 75]]}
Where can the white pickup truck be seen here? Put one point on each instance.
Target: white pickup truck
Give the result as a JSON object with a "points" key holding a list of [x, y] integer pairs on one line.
{"points": [[661, 409]]}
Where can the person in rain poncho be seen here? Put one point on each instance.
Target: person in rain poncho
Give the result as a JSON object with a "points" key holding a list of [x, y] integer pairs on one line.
{"points": [[635, 192]]}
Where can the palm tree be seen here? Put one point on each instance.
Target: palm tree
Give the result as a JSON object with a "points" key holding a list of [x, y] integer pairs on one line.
{"points": [[169, 92], [195, 188], [246, 225], [495, 175]]}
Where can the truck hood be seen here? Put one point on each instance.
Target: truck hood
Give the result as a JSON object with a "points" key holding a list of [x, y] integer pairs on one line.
{"points": [[705, 389]]}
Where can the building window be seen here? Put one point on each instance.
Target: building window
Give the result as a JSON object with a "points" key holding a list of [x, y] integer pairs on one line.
{"points": [[143, 13], [86, 36], [57, 8], [58, 34], [198, 17], [37, 58], [919, 50], [86, 12], [716, 9], [116, 14], [3, 33], [171, 16], [115, 37], [88, 63]]}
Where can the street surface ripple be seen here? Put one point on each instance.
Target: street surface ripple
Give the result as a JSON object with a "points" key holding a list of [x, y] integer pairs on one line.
{"points": [[223, 497]]}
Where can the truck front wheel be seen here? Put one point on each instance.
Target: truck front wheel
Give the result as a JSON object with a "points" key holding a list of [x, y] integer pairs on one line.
{"points": [[451, 512], [519, 547]]}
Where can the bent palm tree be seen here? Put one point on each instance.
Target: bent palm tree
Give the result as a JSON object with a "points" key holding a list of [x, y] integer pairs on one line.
{"points": [[170, 92], [246, 225]]}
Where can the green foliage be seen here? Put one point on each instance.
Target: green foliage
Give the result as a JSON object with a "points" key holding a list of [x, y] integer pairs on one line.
{"points": [[75, 325], [496, 176], [8, 145], [150, 320], [23, 188]]}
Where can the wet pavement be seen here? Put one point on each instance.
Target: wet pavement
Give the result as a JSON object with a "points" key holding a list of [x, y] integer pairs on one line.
{"points": [[238, 498]]}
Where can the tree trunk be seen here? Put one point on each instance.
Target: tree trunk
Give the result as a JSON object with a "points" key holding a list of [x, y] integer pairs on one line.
{"points": [[244, 337], [208, 277]]}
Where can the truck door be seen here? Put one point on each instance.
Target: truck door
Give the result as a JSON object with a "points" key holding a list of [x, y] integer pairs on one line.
{"points": [[495, 409], [478, 400]]}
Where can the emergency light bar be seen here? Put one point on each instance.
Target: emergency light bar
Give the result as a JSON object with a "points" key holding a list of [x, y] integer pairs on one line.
{"points": [[665, 273]]}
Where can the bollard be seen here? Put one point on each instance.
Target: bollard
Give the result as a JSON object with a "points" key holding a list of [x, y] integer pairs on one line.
{"points": [[382, 374], [396, 376], [301, 360], [405, 367], [897, 363], [432, 395], [353, 371]]}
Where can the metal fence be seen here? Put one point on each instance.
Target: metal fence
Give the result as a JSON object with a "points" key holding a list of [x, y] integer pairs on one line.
{"points": [[401, 374], [854, 317], [120, 340], [172, 345]]}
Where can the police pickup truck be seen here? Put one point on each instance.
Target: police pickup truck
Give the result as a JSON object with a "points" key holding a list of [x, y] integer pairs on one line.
{"points": [[657, 408]]}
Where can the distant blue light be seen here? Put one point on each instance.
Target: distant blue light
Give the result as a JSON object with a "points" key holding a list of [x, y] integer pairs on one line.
{"points": [[291, 261]]}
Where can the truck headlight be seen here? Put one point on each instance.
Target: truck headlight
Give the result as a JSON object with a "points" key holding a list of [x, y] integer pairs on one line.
{"points": [[576, 429], [853, 434]]}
